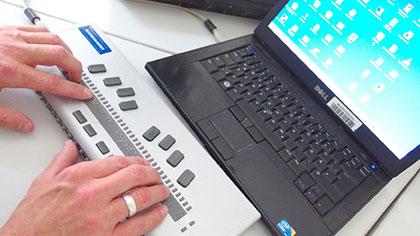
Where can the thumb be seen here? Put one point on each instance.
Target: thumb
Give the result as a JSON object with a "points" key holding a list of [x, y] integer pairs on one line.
{"points": [[16, 120], [65, 158]]}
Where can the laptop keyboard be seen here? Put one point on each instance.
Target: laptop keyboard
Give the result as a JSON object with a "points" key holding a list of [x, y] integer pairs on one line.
{"points": [[324, 169]]}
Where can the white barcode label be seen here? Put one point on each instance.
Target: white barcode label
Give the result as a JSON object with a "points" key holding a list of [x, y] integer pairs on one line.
{"points": [[345, 114]]}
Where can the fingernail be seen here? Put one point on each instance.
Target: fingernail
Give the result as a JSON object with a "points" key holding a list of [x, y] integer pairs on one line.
{"points": [[146, 162], [166, 188], [24, 127], [164, 210], [87, 93]]}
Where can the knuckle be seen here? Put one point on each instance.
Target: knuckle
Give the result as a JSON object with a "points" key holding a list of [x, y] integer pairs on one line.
{"points": [[157, 218], [141, 225], [8, 68], [137, 171], [121, 162], [54, 82], [84, 195], [72, 174], [55, 38], [5, 120], [142, 196], [94, 220], [59, 51]]}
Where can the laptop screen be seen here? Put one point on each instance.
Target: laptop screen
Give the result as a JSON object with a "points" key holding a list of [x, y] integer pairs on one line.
{"points": [[367, 53]]}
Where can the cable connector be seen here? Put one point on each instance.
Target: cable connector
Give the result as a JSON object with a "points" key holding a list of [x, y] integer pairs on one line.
{"points": [[32, 16], [213, 29]]}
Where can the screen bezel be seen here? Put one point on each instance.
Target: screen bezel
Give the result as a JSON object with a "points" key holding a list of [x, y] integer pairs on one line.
{"points": [[381, 153]]}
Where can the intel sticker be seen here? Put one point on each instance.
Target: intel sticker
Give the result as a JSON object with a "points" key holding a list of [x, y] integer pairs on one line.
{"points": [[285, 228], [97, 42]]}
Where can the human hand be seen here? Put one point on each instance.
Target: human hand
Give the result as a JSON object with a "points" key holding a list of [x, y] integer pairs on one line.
{"points": [[83, 199], [22, 48]]}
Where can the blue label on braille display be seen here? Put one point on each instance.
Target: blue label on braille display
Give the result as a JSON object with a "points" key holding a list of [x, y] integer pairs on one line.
{"points": [[97, 42]]}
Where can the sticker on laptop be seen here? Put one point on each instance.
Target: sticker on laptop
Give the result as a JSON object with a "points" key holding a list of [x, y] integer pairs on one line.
{"points": [[344, 114], [94, 39], [285, 228]]}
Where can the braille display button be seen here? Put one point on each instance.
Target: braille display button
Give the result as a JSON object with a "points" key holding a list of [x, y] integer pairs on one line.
{"points": [[126, 92], [151, 133], [79, 117], [112, 81], [175, 158], [102, 147], [167, 142], [186, 177], [98, 68], [128, 105], [89, 130]]}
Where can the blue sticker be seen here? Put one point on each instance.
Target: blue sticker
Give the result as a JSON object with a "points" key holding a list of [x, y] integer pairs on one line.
{"points": [[286, 228], [97, 42]]}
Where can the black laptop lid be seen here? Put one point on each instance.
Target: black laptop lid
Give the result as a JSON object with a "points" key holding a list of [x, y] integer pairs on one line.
{"points": [[360, 58]]}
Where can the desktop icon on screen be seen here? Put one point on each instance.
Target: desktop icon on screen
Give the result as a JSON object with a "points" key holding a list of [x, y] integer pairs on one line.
{"points": [[283, 18], [408, 8], [378, 88], [316, 4], [408, 35], [379, 10], [365, 73], [352, 38]]}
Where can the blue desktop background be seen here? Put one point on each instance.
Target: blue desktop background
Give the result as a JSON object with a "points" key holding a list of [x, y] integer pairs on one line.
{"points": [[396, 108]]}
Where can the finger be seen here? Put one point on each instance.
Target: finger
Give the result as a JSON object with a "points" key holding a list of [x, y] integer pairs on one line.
{"points": [[141, 224], [65, 158], [32, 28], [105, 167], [144, 198], [44, 38], [23, 76], [50, 55], [16, 120], [129, 178]]}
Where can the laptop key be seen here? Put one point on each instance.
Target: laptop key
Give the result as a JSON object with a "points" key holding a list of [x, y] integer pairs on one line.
{"points": [[255, 134], [218, 75], [296, 167], [351, 173], [308, 165], [317, 190], [321, 165], [228, 60], [223, 148], [330, 176], [237, 112], [332, 192], [209, 65], [304, 182], [324, 205], [344, 184], [234, 94], [311, 196], [299, 155], [286, 155], [218, 62]]}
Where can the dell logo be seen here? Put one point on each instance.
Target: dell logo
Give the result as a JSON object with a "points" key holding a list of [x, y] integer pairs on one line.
{"points": [[321, 92]]}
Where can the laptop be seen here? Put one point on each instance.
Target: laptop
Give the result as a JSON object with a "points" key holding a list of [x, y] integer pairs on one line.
{"points": [[245, 8], [313, 114]]}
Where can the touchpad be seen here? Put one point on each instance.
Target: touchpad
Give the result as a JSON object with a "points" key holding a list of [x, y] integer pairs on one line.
{"points": [[231, 131]]}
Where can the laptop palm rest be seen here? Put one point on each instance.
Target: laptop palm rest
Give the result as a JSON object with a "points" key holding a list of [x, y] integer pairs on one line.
{"points": [[253, 168], [274, 194]]}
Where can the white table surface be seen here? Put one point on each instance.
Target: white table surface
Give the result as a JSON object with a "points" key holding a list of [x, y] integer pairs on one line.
{"points": [[24, 156]]}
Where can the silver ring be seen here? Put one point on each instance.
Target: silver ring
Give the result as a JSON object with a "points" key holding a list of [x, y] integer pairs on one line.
{"points": [[131, 205]]}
